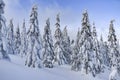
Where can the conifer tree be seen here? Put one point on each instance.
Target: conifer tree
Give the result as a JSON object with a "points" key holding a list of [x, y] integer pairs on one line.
{"points": [[114, 56], [34, 46], [24, 44], [86, 45], [3, 33], [104, 51], [17, 43], [113, 48], [48, 52], [10, 37], [66, 46], [75, 54], [97, 57], [58, 46]]}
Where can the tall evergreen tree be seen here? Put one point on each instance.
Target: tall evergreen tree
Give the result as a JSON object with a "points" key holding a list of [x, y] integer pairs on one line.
{"points": [[66, 46], [113, 48], [17, 43], [10, 37], [75, 54], [104, 51], [24, 44], [58, 47], [35, 23], [114, 56], [86, 45], [48, 52], [34, 46], [97, 57], [3, 33]]}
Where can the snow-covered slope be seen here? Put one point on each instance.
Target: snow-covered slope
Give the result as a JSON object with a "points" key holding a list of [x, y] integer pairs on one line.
{"points": [[15, 70]]}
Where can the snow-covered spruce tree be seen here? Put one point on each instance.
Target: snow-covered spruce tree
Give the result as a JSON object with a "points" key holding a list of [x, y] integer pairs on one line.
{"points": [[17, 41], [3, 54], [114, 56], [34, 45], [58, 46], [48, 52], [66, 46], [75, 54], [97, 57], [24, 42], [35, 23], [104, 51], [86, 45], [10, 37], [3, 31], [113, 49]]}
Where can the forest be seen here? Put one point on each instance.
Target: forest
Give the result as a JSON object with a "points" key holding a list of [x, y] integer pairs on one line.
{"points": [[86, 53]]}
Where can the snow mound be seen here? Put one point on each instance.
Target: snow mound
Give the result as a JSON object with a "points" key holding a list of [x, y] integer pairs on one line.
{"points": [[15, 70]]}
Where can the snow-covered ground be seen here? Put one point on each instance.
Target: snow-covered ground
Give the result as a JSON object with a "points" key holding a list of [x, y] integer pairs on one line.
{"points": [[15, 70]]}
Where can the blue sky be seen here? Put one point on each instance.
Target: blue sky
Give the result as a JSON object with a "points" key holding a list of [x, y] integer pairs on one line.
{"points": [[100, 12]]}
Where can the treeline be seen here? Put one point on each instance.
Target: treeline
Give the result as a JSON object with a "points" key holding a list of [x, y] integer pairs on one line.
{"points": [[86, 54]]}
